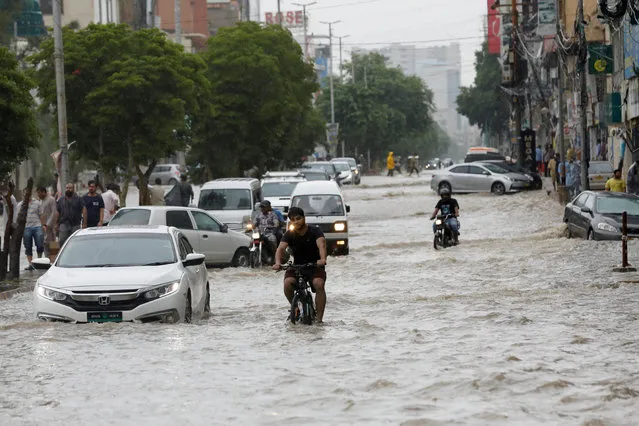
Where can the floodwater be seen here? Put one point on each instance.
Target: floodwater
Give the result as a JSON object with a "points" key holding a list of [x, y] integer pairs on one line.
{"points": [[516, 325]]}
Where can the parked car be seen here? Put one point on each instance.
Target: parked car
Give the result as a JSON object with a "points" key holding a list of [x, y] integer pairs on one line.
{"points": [[355, 168], [472, 178], [537, 183], [169, 174], [314, 174], [482, 153], [231, 200], [597, 215], [346, 174], [598, 173], [207, 235], [113, 274]]}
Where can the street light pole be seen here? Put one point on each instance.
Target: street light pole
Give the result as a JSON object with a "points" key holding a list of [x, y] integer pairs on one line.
{"points": [[330, 70], [583, 96], [560, 95], [340, 56], [304, 6], [58, 53]]}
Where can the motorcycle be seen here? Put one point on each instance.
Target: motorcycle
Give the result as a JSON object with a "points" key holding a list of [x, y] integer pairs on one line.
{"points": [[259, 253], [444, 235]]}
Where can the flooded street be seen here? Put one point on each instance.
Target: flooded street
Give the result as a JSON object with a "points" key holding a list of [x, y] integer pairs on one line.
{"points": [[516, 325]]}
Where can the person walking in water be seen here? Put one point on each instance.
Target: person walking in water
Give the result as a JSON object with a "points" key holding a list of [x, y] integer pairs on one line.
{"points": [[390, 163]]}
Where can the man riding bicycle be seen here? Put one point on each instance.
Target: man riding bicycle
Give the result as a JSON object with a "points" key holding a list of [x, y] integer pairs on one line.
{"points": [[268, 224], [448, 206], [309, 246]]}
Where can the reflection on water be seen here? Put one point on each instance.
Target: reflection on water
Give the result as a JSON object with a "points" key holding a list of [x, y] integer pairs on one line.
{"points": [[516, 325]]}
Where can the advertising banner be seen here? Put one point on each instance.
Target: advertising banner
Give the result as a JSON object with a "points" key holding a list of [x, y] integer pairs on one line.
{"points": [[290, 19], [546, 18], [494, 24], [600, 59]]}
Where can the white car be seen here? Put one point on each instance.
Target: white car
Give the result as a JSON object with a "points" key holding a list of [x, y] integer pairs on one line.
{"points": [[277, 188], [128, 273], [207, 235]]}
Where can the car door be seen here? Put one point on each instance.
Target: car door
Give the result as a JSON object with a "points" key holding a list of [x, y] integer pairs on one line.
{"points": [[586, 217], [214, 243], [478, 179], [193, 274], [457, 177], [575, 222], [181, 219]]}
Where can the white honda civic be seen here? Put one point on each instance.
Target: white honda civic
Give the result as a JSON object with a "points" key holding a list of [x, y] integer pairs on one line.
{"points": [[123, 273]]}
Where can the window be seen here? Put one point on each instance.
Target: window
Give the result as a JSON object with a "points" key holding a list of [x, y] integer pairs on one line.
{"points": [[185, 247], [495, 168], [278, 189], [225, 199], [590, 202], [319, 205], [459, 169], [179, 218], [579, 201], [131, 217], [618, 205], [205, 222], [474, 170]]}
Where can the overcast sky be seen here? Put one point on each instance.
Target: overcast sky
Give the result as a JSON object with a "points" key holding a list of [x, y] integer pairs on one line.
{"points": [[375, 23]]}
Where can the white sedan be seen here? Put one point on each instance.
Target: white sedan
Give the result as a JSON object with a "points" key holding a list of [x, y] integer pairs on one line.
{"points": [[123, 273]]}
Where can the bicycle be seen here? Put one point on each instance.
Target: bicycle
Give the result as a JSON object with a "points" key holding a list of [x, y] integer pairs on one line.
{"points": [[302, 306]]}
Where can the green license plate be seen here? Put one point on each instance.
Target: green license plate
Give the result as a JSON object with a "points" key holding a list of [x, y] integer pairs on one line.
{"points": [[104, 316]]}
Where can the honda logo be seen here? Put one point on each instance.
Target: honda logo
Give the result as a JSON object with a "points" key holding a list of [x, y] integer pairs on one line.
{"points": [[104, 300]]}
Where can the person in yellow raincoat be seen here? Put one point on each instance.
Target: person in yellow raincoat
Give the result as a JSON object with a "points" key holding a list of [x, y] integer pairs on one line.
{"points": [[390, 163]]}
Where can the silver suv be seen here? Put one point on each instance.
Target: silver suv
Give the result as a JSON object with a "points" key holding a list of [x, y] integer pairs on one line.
{"points": [[169, 174]]}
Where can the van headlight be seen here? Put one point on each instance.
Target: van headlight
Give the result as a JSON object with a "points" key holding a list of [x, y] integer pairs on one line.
{"points": [[339, 226], [162, 290], [606, 227], [51, 294]]}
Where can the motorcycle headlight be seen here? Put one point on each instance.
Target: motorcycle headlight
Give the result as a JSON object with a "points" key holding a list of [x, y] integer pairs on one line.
{"points": [[249, 227], [162, 290], [606, 227], [339, 226], [256, 235], [438, 222], [51, 294]]}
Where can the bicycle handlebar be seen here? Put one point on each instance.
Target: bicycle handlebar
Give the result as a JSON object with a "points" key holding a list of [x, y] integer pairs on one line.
{"points": [[299, 267]]}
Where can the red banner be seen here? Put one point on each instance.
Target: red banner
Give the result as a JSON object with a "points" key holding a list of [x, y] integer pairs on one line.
{"points": [[494, 41]]}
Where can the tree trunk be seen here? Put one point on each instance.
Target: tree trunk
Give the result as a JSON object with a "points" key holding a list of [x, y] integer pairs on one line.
{"points": [[16, 237], [143, 184], [4, 254]]}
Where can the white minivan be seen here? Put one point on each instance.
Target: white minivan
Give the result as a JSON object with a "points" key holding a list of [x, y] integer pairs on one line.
{"points": [[324, 206], [231, 200]]}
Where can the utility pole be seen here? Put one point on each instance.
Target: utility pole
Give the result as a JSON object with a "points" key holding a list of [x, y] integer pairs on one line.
{"points": [[340, 56], [560, 96], [515, 80], [304, 6], [279, 12], [58, 54], [178, 22], [330, 70], [583, 96]]}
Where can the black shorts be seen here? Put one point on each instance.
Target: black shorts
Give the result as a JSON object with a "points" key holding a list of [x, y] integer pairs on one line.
{"points": [[309, 275]]}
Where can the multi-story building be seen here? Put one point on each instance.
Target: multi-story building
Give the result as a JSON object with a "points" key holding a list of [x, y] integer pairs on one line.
{"points": [[82, 12]]}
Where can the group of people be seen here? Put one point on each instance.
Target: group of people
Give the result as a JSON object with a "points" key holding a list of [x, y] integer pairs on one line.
{"points": [[393, 164]]}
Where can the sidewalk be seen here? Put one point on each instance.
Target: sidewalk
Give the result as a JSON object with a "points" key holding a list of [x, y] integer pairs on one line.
{"points": [[27, 280]]}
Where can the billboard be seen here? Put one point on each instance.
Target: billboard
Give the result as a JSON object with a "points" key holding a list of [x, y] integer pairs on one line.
{"points": [[546, 18], [630, 49], [291, 19], [321, 64], [494, 24]]}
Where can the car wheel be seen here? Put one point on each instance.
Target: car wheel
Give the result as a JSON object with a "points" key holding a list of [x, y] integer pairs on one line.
{"points": [[207, 302], [172, 181], [568, 231], [188, 310], [590, 235], [241, 258], [498, 188], [445, 185]]}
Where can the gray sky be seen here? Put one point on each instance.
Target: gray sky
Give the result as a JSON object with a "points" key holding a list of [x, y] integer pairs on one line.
{"points": [[375, 23]]}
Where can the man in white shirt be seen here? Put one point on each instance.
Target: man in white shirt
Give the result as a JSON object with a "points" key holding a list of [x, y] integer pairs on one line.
{"points": [[111, 202]]}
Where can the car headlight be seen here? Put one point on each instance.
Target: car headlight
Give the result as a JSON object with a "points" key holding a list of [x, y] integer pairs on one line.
{"points": [[161, 291], [339, 226], [256, 235], [438, 222], [291, 227], [51, 294], [249, 227], [606, 227]]}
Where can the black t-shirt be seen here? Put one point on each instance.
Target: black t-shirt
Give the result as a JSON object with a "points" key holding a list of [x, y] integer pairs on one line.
{"points": [[304, 247], [447, 206], [93, 204]]}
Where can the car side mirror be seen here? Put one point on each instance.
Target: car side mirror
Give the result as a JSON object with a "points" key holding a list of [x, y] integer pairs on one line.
{"points": [[193, 259], [586, 210], [225, 228], [348, 208], [485, 173], [41, 263], [256, 207]]}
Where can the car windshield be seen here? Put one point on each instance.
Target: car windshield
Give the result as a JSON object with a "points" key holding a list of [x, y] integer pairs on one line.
{"points": [[316, 175], [131, 217], [328, 168], [225, 199], [342, 167], [278, 189], [618, 205], [117, 250], [495, 168], [599, 168], [319, 205]]}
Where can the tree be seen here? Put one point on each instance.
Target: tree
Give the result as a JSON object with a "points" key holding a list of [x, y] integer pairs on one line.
{"points": [[261, 92], [381, 109], [128, 92], [483, 102], [9, 12]]}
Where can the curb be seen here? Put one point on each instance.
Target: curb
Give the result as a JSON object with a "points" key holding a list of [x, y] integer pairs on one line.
{"points": [[5, 295]]}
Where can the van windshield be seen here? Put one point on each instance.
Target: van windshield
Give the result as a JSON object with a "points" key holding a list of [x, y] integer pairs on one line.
{"points": [[319, 205], [278, 189], [225, 199]]}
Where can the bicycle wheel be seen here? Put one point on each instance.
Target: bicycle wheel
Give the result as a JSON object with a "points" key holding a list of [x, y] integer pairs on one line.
{"points": [[295, 311], [309, 311]]}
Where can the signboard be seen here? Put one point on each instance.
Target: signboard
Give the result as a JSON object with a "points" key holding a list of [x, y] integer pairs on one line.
{"points": [[291, 19], [321, 65], [332, 133], [600, 59], [494, 28], [546, 18], [630, 49], [529, 141]]}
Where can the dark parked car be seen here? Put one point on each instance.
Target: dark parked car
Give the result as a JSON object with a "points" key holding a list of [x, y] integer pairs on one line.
{"points": [[516, 168], [483, 156], [597, 215]]}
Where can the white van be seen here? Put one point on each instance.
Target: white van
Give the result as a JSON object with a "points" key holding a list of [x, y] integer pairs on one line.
{"points": [[231, 200], [324, 206]]}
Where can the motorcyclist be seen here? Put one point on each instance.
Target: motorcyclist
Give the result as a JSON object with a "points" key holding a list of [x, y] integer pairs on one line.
{"points": [[448, 206], [268, 224]]}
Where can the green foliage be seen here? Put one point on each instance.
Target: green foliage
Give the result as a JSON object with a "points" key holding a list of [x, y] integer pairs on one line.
{"points": [[18, 127], [127, 93], [382, 109], [483, 102], [9, 12], [261, 113]]}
